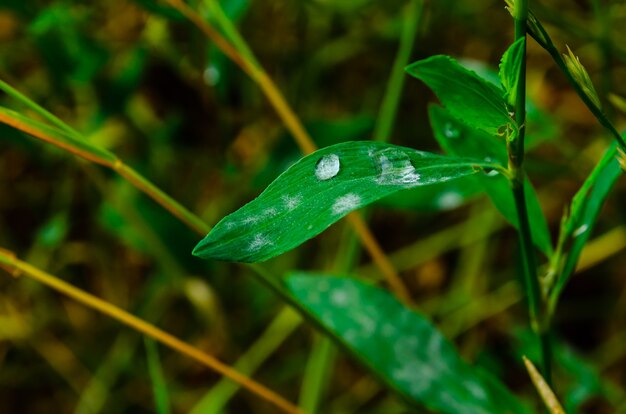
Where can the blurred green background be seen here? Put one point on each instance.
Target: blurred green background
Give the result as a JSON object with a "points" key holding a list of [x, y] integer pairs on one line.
{"points": [[138, 79]]}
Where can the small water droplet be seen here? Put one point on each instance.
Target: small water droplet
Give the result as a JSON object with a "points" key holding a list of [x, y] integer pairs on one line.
{"points": [[211, 75], [449, 200], [580, 230], [492, 173], [327, 167], [346, 203], [450, 131]]}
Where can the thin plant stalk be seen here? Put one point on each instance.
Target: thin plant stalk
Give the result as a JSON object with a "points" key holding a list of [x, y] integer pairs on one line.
{"points": [[109, 160], [16, 267], [389, 108], [20, 97], [297, 130], [279, 329], [516, 166], [541, 36]]}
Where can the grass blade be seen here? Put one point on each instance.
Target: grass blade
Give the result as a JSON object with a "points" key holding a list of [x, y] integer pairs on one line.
{"points": [[547, 395], [585, 208], [155, 370]]}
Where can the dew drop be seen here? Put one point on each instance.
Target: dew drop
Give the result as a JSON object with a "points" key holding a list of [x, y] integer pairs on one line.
{"points": [[450, 131], [449, 200], [327, 167], [580, 230], [211, 75]]}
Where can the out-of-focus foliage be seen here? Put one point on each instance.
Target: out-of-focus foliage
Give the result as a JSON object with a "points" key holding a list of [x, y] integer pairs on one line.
{"points": [[138, 80]]}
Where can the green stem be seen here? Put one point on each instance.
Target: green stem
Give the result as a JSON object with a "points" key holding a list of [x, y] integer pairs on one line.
{"points": [[24, 100], [391, 100], [517, 177], [543, 38], [317, 374]]}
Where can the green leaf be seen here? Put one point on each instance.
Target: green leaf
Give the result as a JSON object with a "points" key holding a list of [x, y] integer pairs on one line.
{"points": [[320, 189], [437, 197], [468, 97], [400, 346], [510, 68], [585, 207], [456, 138], [159, 387]]}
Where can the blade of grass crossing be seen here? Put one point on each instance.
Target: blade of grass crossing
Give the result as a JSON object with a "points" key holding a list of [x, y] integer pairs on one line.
{"points": [[159, 387], [16, 267], [283, 325]]}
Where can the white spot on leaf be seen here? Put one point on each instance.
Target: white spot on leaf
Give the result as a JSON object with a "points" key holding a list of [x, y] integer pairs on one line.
{"points": [[291, 202], [346, 203], [258, 242], [327, 167], [339, 298]]}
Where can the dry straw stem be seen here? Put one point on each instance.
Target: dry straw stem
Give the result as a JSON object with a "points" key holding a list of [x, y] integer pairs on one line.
{"points": [[16, 267], [547, 395], [302, 138]]}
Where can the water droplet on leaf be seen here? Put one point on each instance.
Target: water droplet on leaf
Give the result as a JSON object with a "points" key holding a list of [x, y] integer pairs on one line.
{"points": [[396, 168], [327, 167], [580, 230], [450, 131], [449, 200]]}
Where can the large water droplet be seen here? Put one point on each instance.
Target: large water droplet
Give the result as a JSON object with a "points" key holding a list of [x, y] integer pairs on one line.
{"points": [[395, 168], [450, 131], [327, 167]]}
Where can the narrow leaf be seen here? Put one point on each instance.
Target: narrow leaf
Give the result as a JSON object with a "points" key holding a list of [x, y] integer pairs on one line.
{"points": [[159, 387], [44, 113], [510, 68], [584, 210], [320, 189], [456, 138], [468, 97], [56, 137], [547, 395], [399, 346]]}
